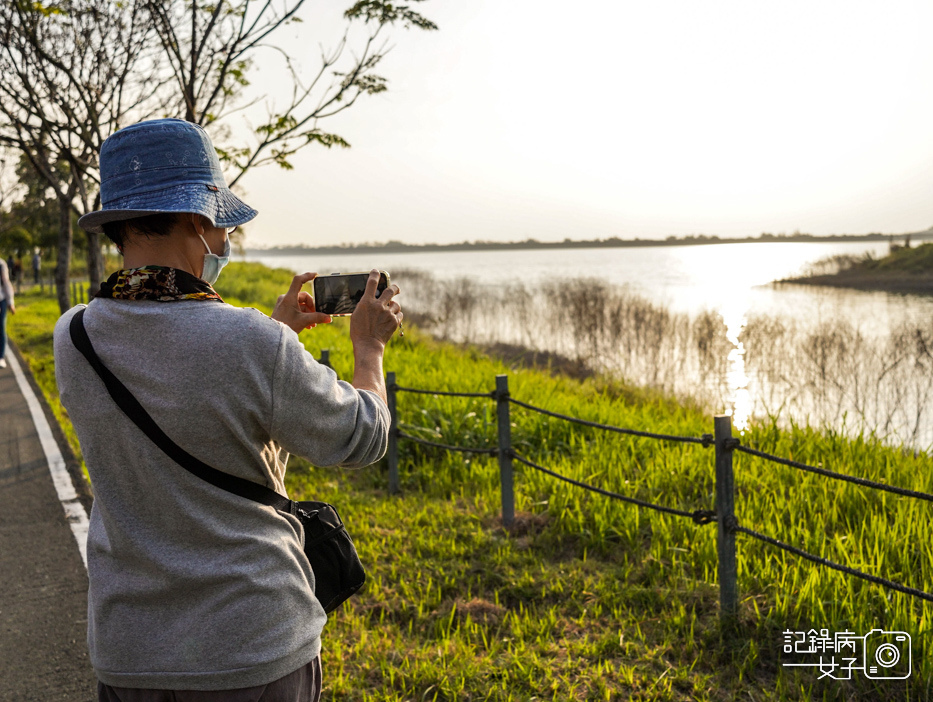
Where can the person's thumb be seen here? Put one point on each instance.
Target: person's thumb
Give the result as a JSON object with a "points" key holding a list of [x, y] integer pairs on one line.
{"points": [[311, 318]]}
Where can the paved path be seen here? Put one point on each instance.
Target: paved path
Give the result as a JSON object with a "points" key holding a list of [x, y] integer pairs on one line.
{"points": [[43, 581]]}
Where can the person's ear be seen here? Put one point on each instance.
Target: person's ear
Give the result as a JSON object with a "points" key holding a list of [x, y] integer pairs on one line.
{"points": [[197, 223]]}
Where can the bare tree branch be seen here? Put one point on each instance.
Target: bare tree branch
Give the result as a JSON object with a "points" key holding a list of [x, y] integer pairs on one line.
{"points": [[211, 49]]}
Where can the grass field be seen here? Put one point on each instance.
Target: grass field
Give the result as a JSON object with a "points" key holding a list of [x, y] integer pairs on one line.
{"points": [[589, 598]]}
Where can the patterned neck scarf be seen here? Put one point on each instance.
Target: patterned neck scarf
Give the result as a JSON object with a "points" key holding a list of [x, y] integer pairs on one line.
{"points": [[157, 283]]}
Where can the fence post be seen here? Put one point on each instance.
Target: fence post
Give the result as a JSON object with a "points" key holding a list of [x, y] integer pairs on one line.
{"points": [[325, 358], [392, 452], [725, 520], [505, 450]]}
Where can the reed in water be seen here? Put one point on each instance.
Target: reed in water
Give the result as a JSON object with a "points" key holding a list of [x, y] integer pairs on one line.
{"points": [[827, 374]]}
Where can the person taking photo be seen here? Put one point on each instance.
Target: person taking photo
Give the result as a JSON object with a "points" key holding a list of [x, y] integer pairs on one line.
{"points": [[197, 594]]}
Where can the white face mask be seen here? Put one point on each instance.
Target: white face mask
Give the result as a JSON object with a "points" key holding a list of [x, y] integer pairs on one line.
{"points": [[213, 263]]}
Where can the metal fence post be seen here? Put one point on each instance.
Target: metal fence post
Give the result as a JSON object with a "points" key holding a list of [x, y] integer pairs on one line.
{"points": [[392, 452], [725, 520], [325, 358], [505, 450]]}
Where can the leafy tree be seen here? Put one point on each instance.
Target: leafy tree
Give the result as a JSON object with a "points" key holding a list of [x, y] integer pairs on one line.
{"points": [[211, 46], [31, 220], [71, 72], [74, 71]]}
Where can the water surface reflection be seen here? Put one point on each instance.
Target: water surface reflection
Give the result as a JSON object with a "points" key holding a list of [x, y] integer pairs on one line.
{"points": [[697, 321]]}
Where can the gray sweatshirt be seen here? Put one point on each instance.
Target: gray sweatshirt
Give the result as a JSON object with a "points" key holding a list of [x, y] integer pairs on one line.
{"points": [[192, 587]]}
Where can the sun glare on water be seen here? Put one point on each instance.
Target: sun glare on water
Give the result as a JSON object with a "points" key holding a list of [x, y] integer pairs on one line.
{"points": [[739, 399]]}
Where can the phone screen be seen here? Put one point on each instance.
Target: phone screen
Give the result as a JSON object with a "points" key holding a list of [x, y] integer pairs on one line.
{"points": [[339, 295]]}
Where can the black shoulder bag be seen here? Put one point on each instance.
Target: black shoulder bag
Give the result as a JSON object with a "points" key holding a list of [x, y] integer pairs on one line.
{"points": [[338, 573]]}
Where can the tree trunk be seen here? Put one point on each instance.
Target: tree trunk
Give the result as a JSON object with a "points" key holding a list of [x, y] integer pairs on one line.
{"points": [[95, 263], [64, 254]]}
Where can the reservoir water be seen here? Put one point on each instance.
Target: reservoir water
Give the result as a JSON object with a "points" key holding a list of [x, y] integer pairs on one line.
{"points": [[726, 278], [811, 333]]}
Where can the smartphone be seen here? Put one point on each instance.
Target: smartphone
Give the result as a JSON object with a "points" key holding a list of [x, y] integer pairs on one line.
{"points": [[338, 294]]}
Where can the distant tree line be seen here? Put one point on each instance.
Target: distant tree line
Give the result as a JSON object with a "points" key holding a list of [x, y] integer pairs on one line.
{"points": [[688, 240]]}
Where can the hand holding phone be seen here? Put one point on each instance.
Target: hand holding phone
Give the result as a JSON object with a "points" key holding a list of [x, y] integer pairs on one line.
{"points": [[376, 318], [295, 309]]}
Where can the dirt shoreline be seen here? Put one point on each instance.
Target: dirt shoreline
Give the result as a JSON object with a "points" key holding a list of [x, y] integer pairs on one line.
{"points": [[885, 281]]}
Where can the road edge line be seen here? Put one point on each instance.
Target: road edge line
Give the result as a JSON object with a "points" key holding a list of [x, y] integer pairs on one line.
{"points": [[67, 495]]}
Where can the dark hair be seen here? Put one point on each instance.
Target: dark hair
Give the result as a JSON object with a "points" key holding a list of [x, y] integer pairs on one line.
{"points": [[159, 224]]}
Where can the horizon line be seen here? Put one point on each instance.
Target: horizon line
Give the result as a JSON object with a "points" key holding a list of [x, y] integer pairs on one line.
{"points": [[689, 239]]}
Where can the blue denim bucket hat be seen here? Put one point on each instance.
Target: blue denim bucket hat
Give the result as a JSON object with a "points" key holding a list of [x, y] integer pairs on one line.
{"points": [[163, 165]]}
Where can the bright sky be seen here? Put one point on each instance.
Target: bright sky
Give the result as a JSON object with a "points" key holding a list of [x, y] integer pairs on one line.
{"points": [[600, 118]]}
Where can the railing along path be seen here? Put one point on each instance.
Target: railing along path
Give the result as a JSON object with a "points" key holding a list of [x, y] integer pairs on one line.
{"points": [[723, 514]]}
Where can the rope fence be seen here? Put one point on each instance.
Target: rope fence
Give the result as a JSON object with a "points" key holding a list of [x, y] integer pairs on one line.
{"points": [[700, 516], [463, 449], [723, 515], [446, 393], [830, 474], [890, 584], [705, 440]]}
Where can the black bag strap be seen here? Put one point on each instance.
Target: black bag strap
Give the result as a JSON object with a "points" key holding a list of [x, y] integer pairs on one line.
{"points": [[135, 411]]}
